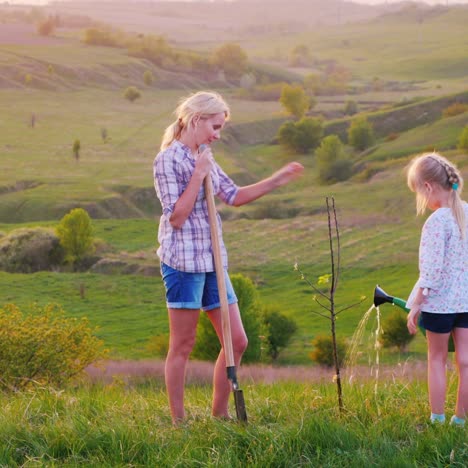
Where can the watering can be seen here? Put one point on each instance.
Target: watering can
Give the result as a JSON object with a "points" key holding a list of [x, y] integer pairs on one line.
{"points": [[381, 297]]}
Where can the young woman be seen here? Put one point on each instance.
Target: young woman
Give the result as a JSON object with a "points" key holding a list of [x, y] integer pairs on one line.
{"points": [[440, 295], [185, 244]]}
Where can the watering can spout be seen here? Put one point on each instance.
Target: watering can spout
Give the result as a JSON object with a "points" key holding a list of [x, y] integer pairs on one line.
{"points": [[381, 297]]}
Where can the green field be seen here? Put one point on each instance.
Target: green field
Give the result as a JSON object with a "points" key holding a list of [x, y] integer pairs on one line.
{"points": [[75, 92]]}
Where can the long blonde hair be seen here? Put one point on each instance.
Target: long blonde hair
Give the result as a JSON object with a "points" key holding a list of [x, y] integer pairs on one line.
{"points": [[202, 104], [433, 167]]}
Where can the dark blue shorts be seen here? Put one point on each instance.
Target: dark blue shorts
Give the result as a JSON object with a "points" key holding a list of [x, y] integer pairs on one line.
{"points": [[194, 290], [443, 323]]}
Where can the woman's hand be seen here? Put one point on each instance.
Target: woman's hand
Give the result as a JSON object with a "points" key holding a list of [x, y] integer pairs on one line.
{"points": [[288, 173], [204, 162], [412, 319]]}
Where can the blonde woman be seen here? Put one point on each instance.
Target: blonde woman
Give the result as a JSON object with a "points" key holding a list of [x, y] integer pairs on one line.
{"points": [[440, 295], [184, 236]]}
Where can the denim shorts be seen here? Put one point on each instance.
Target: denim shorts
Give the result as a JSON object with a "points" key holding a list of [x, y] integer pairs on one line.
{"points": [[444, 323], [194, 290]]}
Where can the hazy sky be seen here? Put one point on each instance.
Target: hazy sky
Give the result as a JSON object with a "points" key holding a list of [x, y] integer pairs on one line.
{"points": [[370, 2]]}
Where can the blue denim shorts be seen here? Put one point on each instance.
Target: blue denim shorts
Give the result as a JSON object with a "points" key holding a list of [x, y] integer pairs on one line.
{"points": [[444, 323], [194, 290]]}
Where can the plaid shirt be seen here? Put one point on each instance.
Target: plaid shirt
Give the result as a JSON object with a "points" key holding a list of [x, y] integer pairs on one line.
{"points": [[188, 248]]}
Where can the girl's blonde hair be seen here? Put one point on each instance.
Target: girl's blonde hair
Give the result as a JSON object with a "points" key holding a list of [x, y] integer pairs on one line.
{"points": [[433, 167], [203, 104]]}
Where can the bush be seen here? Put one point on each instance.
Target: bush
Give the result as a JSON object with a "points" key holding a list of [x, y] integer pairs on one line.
{"points": [[323, 351], [75, 233], [280, 330], [350, 108], [232, 59], [301, 136], [28, 250], [46, 27], [132, 93], [158, 345], [360, 134], [43, 347], [148, 78], [333, 165], [455, 109], [463, 139], [207, 344], [395, 331], [295, 100]]}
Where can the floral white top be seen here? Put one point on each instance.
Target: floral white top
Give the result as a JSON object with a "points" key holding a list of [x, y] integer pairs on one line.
{"points": [[443, 264]]}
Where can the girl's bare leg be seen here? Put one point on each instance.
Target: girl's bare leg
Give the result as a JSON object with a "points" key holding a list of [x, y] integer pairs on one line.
{"points": [[182, 329], [221, 385], [460, 336], [436, 368]]}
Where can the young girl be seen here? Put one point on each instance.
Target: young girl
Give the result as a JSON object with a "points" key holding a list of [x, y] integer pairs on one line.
{"points": [[440, 295], [185, 244]]}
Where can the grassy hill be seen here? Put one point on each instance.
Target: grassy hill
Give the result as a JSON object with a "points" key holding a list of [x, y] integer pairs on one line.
{"points": [[76, 93]]}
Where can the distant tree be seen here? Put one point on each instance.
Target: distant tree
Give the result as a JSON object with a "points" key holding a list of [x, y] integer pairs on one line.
{"points": [[332, 163], [350, 107], [301, 136], [395, 331], [132, 93], [463, 139], [76, 149], [299, 56], [295, 100], [104, 134], [280, 330], [75, 233], [232, 59], [148, 78], [312, 83], [46, 27], [455, 109], [360, 134]]}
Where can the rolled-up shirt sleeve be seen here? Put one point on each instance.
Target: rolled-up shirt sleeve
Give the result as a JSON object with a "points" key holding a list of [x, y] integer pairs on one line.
{"points": [[227, 188], [431, 253], [165, 181]]}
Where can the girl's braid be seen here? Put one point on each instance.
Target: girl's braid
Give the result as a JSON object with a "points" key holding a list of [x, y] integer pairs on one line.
{"points": [[452, 174]]}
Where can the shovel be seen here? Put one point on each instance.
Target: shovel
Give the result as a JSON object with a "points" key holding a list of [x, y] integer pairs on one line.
{"points": [[225, 322]]}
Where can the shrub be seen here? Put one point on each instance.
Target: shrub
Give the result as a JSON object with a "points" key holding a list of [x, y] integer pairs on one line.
{"points": [[301, 136], [395, 331], [295, 100], [158, 345], [76, 148], [280, 330], [207, 345], [27, 250], [132, 93], [323, 350], [148, 78], [360, 134], [333, 165], [75, 233], [46, 27], [455, 109], [44, 347], [232, 59], [463, 139], [350, 107]]}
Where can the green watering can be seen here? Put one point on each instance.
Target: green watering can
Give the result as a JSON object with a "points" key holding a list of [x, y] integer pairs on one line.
{"points": [[381, 297]]}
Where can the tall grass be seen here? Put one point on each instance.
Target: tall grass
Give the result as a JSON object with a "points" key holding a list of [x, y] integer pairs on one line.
{"points": [[290, 424]]}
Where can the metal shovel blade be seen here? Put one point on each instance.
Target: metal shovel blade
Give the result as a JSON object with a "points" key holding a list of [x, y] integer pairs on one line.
{"points": [[240, 405]]}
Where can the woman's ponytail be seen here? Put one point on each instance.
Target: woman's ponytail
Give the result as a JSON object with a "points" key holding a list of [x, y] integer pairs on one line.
{"points": [[171, 133]]}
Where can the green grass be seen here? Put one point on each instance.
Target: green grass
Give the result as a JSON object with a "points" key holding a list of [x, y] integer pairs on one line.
{"points": [[290, 424]]}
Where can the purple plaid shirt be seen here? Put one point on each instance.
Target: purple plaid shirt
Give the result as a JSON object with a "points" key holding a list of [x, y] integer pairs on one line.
{"points": [[188, 248]]}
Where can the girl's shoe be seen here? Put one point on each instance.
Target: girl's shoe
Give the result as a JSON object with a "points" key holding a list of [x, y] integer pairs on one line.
{"points": [[456, 421], [437, 418]]}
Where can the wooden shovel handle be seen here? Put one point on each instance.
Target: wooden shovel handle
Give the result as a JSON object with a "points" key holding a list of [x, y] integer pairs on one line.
{"points": [[219, 268]]}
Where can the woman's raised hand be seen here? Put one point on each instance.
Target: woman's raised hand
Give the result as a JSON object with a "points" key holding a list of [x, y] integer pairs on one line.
{"points": [[288, 173]]}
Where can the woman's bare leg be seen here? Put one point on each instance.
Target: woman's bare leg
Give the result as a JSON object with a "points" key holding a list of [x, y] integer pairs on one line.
{"points": [[182, 328], [221, 385]]}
